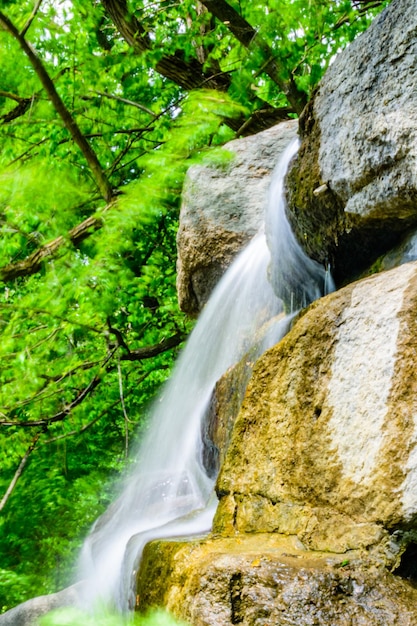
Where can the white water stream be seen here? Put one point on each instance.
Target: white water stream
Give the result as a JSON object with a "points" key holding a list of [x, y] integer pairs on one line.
{"points": [[168, 492]]}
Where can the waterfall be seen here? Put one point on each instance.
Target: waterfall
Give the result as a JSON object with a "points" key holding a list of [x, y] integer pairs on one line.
{"points": [[296, 279], [168, 491]]}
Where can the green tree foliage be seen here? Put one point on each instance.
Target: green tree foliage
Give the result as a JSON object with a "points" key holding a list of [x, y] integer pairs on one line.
{"points": [[103, 107]]}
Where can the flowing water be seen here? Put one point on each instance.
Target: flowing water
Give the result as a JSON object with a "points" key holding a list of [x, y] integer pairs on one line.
{"points": [[297, 279], [168, 492]]}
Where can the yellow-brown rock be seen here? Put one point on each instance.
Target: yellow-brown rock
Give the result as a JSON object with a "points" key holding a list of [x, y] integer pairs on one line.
{"points": [[324, 446], [318, 489], [260, 580]]}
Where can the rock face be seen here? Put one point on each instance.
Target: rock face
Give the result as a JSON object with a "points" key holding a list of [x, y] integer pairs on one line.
{"points": [[222, 210], [330, 416], [224, 406], [318, 489], [353, 189], [317, 514], [260, 580]]}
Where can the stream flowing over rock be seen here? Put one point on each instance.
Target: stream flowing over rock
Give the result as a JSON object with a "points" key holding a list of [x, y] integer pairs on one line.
{"points": [[316, 439], [317, 514], [318, 489], [222, 209], [353, 188]]}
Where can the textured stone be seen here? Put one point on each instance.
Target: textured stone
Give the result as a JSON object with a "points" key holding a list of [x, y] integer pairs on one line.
{"points": [[222, 209], [223, 409], [325, 443], [259, 580], [353, 189], [318, 489], [229, 392]]}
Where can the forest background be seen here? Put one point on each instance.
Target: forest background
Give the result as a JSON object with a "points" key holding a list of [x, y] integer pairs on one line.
{"points": [[103, 107]]}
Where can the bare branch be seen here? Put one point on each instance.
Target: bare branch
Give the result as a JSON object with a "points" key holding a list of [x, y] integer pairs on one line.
{"points": [[123, 131], [125, 101], [33, 263], [19, 471], [261, 119], [17, 111], [31, 18], [148, 352], [12, 96]]}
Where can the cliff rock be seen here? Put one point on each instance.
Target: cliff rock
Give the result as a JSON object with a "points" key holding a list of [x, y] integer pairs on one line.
{"points": [[353, 188], [324, 446], [260, 580]]}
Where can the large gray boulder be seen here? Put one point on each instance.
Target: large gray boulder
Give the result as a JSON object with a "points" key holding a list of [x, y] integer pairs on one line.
{"points": [[353, 189], [222, 209]]}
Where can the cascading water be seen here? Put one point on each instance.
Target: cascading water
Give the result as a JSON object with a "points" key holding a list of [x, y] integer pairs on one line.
{"points": [[296, 279], [169, 492]]}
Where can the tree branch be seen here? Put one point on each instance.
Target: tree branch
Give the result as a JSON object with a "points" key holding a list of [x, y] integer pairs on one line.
{"points": [[69, 122], [149, 352], [33, 263], [31, 18], [248, 36], [189, 74], [125, 101], [82, 430], [139, 354], [12, 96], [73, 433], [19, 471], [19, 110], [61, 415]]}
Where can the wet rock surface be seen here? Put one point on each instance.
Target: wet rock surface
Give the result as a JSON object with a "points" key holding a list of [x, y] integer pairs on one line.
{"points": [[353, 189], [222, 209], [270, 579]]}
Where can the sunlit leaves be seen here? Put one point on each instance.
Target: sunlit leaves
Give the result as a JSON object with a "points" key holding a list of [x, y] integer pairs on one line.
{"points": [[75, 617]]}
